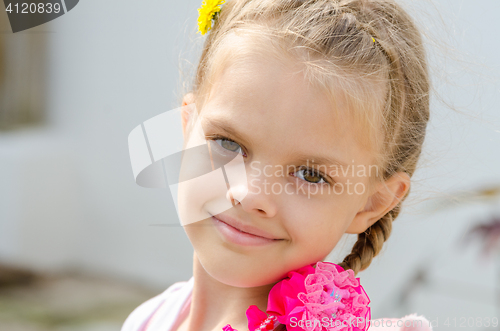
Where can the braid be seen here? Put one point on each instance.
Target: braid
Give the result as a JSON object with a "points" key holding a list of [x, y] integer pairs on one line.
{"points": [[370, 242]]}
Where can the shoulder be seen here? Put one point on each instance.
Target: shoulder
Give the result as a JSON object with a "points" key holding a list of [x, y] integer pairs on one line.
{"points": [[139, 317], [411, 322]]}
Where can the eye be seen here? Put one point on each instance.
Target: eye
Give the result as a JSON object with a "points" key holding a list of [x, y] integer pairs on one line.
{"points": [[312, 176], [227, 144]]}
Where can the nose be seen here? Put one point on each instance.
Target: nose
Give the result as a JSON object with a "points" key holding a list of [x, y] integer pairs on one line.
{"points": [[254, 198]]}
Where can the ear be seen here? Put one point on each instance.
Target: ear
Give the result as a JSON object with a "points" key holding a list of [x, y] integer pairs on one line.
{"points": [[185, 113], [384, 198]]}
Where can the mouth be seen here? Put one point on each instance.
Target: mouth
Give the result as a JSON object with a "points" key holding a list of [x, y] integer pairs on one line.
{"points": [[238, 233]]}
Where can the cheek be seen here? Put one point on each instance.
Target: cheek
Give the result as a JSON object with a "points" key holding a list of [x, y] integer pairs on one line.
{"points": [[197, 233], [317, 223], [201, 197]]}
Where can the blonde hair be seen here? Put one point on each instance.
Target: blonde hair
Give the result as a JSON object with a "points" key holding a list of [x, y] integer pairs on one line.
{"points": [[371, 47]]}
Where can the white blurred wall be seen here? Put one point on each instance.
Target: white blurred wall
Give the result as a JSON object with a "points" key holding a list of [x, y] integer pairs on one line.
{"points": [[68, 198]]}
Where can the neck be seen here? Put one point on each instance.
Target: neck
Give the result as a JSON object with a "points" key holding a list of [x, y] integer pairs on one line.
{"points": [[215, 304]]}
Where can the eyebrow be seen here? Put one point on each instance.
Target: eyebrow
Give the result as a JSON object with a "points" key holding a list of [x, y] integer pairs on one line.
{"points": [[227, 128], [320, 160], [302, 158]]}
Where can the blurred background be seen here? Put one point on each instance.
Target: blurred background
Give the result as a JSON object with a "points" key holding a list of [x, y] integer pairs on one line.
{"points": [[81, 245]]}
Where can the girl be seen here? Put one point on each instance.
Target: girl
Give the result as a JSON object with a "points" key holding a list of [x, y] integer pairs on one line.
{"points": [[327, 103]]}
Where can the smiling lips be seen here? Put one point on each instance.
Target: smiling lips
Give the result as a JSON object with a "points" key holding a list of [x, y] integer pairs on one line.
{"points": [[241, 234]]}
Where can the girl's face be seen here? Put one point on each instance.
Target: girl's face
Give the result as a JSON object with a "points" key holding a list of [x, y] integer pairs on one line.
{"points": [[293, 215]]}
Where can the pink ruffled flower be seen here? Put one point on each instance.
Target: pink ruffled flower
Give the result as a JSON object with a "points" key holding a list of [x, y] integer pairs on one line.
{"points": [[321, 298], [228, 328]]}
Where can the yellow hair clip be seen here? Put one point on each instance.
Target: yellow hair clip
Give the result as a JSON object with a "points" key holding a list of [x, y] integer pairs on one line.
{"points": [[209, 10]]}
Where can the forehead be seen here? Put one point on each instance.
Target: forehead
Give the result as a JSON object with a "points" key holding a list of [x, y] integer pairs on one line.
{"points": [[259, 58], [272, 105]]}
